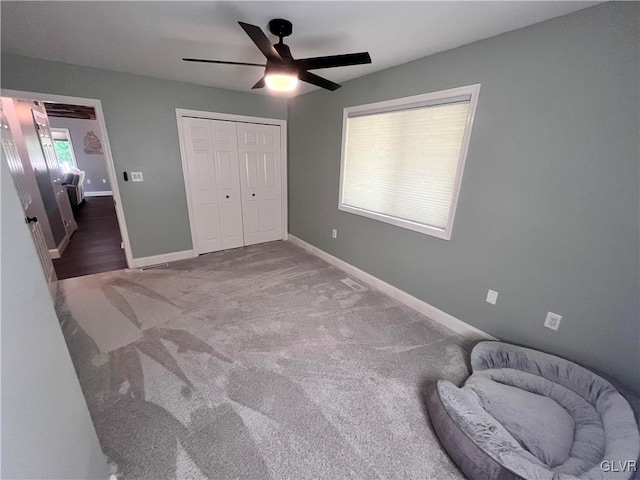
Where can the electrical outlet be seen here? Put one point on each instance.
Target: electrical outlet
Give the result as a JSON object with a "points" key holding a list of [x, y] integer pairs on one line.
{"points": [[88, 180], [136, 177], [104, 180], [492, 297], [552, 320], [334, 233]]}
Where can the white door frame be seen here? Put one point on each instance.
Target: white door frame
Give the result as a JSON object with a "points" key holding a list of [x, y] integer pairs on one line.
{"points": [[181, 113], [111, 170]]}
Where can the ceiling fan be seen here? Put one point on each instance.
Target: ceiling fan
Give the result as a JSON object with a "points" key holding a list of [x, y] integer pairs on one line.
{"points": [[282, 71]]}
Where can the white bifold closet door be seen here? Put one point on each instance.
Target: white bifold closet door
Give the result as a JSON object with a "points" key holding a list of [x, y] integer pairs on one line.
{"points": [[260, 180], [212, 158], [235, 183]]}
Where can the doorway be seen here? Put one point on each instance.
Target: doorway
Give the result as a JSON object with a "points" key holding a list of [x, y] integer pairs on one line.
{"points": [[82, 169]]}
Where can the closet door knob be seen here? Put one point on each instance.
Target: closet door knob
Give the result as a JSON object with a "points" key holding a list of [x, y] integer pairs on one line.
{"points": [[227, 196], [253, 194]]}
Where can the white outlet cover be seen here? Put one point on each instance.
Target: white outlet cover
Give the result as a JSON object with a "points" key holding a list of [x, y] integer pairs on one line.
{"points": [[104, 180], [88, 180], [334, 233], [492, 297], [136, 177], [552, 320]]}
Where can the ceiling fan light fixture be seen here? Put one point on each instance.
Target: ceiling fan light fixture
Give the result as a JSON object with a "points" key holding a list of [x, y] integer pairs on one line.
{"points": [[281, 81], [282, 71]]}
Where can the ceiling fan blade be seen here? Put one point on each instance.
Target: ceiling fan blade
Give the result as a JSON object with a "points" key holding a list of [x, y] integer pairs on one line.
{"points": [[262, 42], [260, 84], [223, 62], [333, 61], [318, 81]]}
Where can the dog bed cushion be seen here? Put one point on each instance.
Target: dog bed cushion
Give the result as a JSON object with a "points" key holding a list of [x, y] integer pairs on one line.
{"points": [[527, 414]]}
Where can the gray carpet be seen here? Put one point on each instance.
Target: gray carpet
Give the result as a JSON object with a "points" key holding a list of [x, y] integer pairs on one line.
{"points": [[257, 363]]}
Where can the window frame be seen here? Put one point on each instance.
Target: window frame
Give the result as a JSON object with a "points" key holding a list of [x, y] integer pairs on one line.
{"points": [[407, 103], [57, 131]]}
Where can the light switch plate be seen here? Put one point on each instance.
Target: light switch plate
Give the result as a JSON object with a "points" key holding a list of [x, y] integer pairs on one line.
{"points": [[552, 320], [492, 297], [136, 177]]}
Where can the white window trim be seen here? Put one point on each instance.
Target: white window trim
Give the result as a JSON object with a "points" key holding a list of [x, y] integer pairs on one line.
{"points": [[401, 104], [67, 134]]}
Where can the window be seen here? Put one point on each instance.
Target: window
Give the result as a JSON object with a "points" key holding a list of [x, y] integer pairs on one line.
{"points": [[402, 160], [64, 149]]}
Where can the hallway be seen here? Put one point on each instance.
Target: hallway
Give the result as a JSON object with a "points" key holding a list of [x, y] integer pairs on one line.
{"points": [[95, 246]]}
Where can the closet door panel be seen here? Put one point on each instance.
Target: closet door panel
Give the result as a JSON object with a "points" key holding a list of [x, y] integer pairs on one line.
{"points": [[208, 228], [268, 215], [260, 181], [230, 214], [228, 181], [202, 183], [250, 202]]}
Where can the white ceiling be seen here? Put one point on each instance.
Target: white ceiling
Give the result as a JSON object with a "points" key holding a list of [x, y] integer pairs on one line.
{"points": [[150, 38]]}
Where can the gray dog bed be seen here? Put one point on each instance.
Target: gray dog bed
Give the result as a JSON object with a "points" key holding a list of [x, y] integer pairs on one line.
{"points": [[530, 415]]}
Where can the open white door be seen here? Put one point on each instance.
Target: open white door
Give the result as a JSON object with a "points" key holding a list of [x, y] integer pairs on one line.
{"points": [[46, 141], [10, 153]]}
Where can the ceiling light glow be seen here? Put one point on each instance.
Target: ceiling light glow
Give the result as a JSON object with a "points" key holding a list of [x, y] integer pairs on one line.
{"points": [[281, 82]]}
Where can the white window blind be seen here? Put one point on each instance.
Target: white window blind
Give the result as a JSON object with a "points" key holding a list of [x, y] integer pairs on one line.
{"points": [[400, 163]]}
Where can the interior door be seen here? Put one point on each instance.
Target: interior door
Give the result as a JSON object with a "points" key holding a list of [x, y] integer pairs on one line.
{"points": [[212, 163], [10, 153], [260, 181], [62, 199]]}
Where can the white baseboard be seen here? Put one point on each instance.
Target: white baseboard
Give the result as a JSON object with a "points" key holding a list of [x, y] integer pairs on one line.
{"points": [[435, 314], [106, 193], [164, 258], [57, 252]]}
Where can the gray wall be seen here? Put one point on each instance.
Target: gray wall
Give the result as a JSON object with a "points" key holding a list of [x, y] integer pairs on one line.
{"points": [[93, 165], [549, 208], [141, 124], [46, 428]]}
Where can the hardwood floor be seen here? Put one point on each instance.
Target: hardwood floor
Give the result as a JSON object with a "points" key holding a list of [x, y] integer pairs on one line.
{"points": [[95, 246]]}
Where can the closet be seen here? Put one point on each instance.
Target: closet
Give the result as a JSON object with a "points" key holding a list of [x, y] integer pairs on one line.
{"points": [[234, 183]]}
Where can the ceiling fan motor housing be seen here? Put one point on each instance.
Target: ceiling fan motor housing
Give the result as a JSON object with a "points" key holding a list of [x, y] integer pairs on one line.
{"points": [[280, 27]]}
